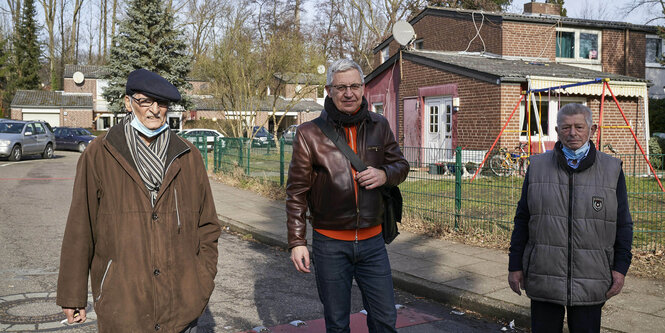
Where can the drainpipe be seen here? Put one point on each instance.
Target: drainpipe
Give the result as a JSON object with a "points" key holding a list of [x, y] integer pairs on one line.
{"points": [[626, 48]]}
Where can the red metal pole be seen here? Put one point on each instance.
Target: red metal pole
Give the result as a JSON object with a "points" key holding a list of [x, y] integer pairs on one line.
{"points": [[635, 137], [497, 138], [600, 120]]}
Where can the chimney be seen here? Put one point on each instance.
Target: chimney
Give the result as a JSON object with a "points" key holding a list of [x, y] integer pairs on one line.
{"points": [[541, 8]]}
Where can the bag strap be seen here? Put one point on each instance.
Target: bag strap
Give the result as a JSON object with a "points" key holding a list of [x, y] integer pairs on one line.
{"points": [[341, 144]]}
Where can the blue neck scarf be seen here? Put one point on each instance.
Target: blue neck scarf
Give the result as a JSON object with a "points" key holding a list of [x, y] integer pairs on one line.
{"points": [[575, 155]]}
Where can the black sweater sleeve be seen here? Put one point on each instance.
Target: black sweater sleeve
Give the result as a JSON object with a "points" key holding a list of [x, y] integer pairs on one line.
{"points": [[520, 231], [624, 237]]}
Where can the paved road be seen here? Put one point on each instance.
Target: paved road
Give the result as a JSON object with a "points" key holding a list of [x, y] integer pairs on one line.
{"points": [[256, 284]]}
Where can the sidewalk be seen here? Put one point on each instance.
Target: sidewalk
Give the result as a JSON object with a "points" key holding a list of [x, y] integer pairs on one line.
{"points": [[459, 275]]}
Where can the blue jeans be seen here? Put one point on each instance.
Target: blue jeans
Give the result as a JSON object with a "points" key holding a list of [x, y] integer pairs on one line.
{"points": [[336, 264]]}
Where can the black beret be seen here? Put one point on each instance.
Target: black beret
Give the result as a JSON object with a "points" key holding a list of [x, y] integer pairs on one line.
{"points": [[152, 85]]}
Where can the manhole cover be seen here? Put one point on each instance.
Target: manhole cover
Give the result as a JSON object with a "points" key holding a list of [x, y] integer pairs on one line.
{"points": [[37, 311]]}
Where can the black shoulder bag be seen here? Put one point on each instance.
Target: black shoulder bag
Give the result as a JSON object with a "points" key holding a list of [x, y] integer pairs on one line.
{"points": [[392, 197]]}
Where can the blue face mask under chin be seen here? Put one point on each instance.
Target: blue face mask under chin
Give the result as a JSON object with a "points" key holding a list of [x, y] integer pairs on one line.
{"points": [[576, 154], [136, 123]]}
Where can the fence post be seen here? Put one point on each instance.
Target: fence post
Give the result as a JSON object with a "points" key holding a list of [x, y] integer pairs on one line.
{"points": [[249, 160], [241, 146], [458, 185], [215, 146], [281, 162]]}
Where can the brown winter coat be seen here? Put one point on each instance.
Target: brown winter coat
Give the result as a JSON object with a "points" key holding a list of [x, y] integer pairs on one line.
{"points": [[150, 268]]}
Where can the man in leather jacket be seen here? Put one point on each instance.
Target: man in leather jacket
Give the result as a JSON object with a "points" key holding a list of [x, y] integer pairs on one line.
{"points": [[345, 206]]}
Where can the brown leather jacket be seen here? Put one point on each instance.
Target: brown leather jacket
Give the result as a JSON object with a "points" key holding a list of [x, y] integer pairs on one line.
{"points": [[150, 267], [320, 178]]}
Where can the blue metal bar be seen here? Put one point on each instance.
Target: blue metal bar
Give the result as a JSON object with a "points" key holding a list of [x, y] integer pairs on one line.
{"points": [[597, 80]]}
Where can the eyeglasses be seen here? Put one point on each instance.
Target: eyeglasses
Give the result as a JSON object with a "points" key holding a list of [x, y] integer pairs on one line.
{"points": [[148, 102], [343, 88]]}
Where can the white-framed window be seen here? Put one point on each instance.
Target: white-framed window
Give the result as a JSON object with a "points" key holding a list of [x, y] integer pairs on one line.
{"points": [[418, 44], [578, 45], [104, 122], [385, 54], [378, 108], [434, 119], [654, 51], [546, 116]]}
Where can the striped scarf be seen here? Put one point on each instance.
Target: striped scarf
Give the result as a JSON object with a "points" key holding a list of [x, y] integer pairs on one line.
{"points": [[150, 160]]}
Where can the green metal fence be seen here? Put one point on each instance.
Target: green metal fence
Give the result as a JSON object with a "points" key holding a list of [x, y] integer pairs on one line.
{"points": [[439, 187]]}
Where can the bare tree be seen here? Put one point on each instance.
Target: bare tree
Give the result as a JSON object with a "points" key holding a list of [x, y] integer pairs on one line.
{"points": [[202, 16], [50, 8], [655, 8], [594, 11], [73, 38]]}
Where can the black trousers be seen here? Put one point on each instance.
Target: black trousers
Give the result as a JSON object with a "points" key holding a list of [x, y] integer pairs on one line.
{"points": [[548, 317]]}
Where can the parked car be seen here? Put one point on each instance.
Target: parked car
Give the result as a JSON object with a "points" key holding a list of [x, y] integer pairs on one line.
{"points": [[289, 133], [262, 138], [19, 138], [72, 138], [211, 135]]}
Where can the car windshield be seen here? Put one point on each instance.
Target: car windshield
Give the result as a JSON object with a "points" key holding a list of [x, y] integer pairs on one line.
{"points": [[80, 131], [12, 128], [260, 130]]}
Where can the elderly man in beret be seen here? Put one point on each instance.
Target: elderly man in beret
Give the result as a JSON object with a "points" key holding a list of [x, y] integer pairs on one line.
{"points": [[142, 222]]}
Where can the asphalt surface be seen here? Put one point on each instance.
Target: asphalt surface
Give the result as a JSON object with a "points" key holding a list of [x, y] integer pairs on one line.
{"points": [[256, 284]]}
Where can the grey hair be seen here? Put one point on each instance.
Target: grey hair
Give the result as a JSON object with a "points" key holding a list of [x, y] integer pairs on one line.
{"points": [[573, 109], [343, 65]]}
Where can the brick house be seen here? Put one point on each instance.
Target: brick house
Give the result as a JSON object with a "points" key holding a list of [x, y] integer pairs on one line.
{"points": [[462, 76]]}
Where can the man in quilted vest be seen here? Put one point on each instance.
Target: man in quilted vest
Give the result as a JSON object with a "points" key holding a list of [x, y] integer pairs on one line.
{"points": [[570, 248]]}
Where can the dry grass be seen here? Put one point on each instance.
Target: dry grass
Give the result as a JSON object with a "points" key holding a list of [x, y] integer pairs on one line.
{"points": [[237, 178], [649, 265]]}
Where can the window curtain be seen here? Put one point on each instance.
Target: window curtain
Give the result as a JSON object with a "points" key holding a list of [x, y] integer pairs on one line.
{"points": [[565, 44]]}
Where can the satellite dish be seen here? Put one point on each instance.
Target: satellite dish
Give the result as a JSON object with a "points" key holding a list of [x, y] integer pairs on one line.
{"points": [[403, 32], [78, 77], [321, 69]]}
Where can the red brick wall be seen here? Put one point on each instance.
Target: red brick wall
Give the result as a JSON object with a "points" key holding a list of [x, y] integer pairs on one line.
{"points": [[529, 39], [16, 114], [620, 138], [452, 34], [76, 118], [613, 59], [88, 86], [481, 108], [637, 54]]}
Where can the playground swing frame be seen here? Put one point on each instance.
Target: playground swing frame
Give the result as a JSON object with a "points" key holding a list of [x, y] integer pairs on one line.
{"points": [[530, 92]]}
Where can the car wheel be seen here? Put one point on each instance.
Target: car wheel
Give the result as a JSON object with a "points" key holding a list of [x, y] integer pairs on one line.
{"points": [[81, 147], [16, 153], [48, 151]]}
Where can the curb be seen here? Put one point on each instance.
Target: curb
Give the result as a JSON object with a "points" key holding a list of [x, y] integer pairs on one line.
{"points": [[441, 293]]}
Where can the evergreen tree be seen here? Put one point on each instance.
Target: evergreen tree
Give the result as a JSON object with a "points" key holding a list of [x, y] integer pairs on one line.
{"points": [[4, 72], [24, 70], [147, 39]]}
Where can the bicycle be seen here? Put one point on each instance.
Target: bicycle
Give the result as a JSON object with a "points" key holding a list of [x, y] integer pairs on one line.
{"points": [[505, 163]]}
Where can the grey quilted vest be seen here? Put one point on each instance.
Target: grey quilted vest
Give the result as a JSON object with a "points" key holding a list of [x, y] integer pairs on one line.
{"points": [[572, 229]]}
